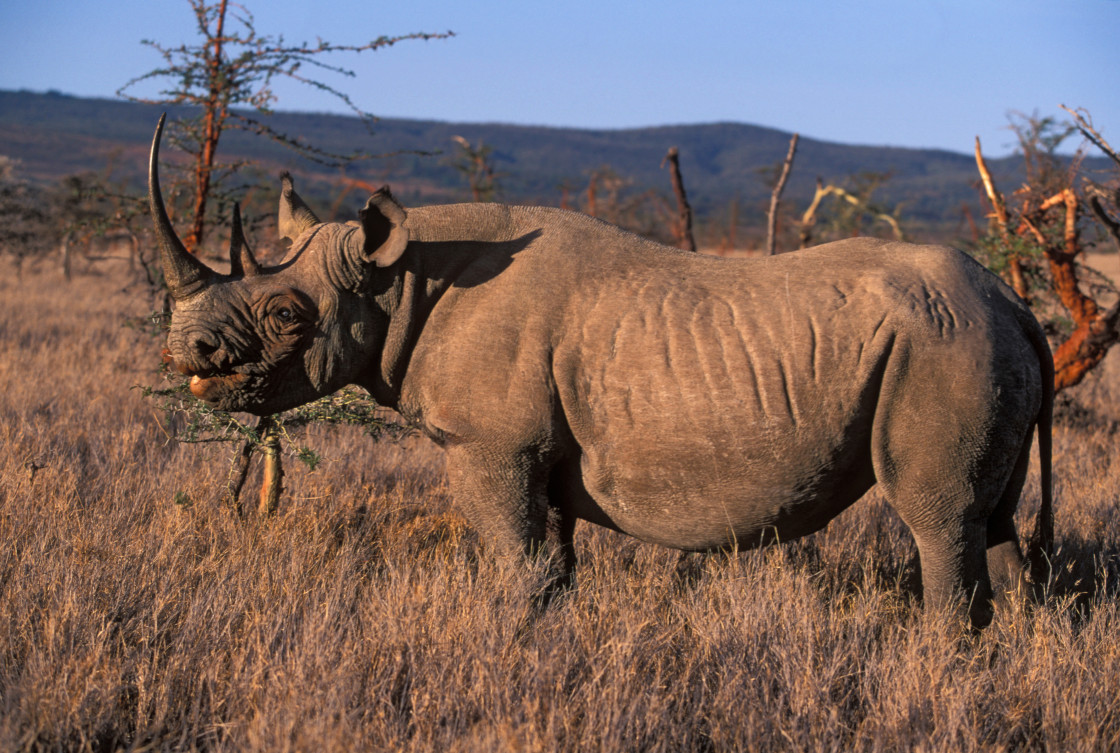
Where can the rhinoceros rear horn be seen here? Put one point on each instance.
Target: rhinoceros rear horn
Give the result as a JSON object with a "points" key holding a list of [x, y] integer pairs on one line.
{"points": [[295, 216], [383, 224], [185, 274], [241, 261]]}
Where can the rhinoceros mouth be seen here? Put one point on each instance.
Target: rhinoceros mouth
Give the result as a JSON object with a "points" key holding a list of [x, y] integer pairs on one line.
{"points": [[209, 385], [212, 388]]}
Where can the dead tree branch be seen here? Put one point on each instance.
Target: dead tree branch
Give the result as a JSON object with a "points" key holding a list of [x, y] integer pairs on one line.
{"points": [[776, 197], [1085, 125], [999, 215], [999, 209], [809, 218], [1105, 219], [682, 227]]}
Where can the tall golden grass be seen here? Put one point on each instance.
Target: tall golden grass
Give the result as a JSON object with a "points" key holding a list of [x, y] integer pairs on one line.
{"points": [[367, 615]]}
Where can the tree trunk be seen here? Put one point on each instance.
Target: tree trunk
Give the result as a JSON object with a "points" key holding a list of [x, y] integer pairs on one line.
{"points": [[66, 261], [232, 496], [1085, 348], [212, 132]]}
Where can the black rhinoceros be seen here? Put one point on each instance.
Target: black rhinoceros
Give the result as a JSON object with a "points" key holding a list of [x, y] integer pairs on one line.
{"points": [[690, 401]]}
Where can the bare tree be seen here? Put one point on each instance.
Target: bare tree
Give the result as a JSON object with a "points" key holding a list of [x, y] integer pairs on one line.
{"points": [[236, 67]]}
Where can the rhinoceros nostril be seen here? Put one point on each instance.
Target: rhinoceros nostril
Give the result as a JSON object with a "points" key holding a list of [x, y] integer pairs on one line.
{"points": [[204, 348]]}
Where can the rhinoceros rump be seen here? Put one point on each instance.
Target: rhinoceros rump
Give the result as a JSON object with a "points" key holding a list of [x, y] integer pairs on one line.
{"points": [[690, 401]]}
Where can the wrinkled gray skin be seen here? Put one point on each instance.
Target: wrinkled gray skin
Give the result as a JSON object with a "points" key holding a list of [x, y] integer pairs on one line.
{"points": [[686, 400]]}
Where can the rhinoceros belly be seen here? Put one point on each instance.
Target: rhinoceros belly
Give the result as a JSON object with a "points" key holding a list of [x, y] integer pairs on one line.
{"points": [[689, 490], [698, 430]]}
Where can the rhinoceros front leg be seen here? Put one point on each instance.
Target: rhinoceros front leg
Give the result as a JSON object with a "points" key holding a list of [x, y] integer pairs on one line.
{"points": [[506, 497]]}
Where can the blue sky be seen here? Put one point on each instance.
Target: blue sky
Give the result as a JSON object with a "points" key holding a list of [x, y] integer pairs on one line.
{"points": [[916, 73]]}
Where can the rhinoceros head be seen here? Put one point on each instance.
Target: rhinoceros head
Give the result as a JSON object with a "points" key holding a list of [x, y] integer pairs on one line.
{"points": [[266, 339]]}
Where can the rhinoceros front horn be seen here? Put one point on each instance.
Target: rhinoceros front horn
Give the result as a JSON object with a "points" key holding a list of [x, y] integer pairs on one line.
{"points": [[185, 274]]}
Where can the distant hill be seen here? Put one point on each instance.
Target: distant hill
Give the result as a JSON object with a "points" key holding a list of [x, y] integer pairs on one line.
{"points": [[54, 135]]}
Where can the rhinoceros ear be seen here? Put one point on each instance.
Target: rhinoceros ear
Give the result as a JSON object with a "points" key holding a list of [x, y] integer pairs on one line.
{"points": [[295, 216], [383, 225]]}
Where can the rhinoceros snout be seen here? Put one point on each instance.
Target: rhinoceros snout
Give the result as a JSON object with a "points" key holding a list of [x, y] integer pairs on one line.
{"points": [[199, 353]]}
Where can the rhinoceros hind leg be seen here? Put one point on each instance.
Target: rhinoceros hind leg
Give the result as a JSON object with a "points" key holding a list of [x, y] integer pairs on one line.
{"points": [[562, 531], [947, 504], [1006, 567], [953, 476], [954, 569], [561, 535]]}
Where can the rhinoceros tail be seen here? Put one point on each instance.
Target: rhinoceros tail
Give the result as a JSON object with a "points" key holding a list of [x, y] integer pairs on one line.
{"points": [[1041, 547]]}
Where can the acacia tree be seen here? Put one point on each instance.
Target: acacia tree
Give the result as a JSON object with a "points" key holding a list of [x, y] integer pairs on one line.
{"points": [[26, 230], [36, 221], [1038, 239], [233, 66]]}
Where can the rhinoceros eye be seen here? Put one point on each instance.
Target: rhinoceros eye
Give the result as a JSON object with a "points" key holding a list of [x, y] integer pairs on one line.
{"points": [[285, 312]]}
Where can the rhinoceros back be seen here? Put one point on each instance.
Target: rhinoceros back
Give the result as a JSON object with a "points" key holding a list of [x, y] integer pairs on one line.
{"points": [[711, 396], [711, 399]]}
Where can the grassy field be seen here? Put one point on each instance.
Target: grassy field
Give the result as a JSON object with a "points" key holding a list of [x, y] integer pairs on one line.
{"points": [[367, 616]]}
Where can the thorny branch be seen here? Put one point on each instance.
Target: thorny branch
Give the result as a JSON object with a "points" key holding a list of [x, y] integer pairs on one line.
{"points": [[196, 422]]}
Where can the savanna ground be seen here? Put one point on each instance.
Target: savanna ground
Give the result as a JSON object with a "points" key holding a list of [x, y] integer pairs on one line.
{"points": [[367, 616]]}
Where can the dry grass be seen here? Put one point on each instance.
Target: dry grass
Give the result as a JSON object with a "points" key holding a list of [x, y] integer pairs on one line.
{"points": [[365, 616]]}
